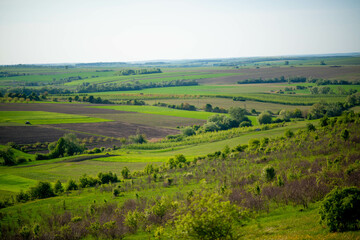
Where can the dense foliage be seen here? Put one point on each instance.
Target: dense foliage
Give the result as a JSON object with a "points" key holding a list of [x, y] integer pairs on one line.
{"points": [[340, 209]]}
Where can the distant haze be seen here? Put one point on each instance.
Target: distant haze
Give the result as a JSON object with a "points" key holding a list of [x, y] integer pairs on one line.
{"points": [[63, 31]]}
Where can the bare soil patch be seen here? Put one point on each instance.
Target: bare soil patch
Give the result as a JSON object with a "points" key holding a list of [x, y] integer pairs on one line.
{"points": [[116, 129], [31, 134]]}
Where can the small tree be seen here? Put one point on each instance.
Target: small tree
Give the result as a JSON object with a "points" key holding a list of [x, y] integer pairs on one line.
{"points": [[340, 209], [268, 173], [264, 118], [42, 190], [58, 188], [125, 172], [310, 127], [188, 131], [71, 185], [207, 217], [345, 134]]}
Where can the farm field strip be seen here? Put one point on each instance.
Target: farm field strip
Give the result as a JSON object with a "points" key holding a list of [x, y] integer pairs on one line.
{"points": [[154, 78], [41, 117], [227, 103], [160, 111]]}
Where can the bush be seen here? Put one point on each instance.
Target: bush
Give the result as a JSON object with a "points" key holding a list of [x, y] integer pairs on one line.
{"points": [[310, 127], [22, 196], [207, 217], [107, 177], [71, 185], [264, 118], [58, 188], [42, 190], [340, 209], [125, 172], [268, 173], [188, 131], [87, 181]]}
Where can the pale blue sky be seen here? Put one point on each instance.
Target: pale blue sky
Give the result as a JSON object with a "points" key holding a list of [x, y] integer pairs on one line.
{"points": [[49, 31]]}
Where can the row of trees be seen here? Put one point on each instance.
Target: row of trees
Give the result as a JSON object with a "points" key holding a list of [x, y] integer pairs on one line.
{"points": [[317, 81], [126, 72], [129, 86]]}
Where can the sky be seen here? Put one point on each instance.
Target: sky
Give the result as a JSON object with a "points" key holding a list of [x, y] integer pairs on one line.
{"points": [[73, 31]]}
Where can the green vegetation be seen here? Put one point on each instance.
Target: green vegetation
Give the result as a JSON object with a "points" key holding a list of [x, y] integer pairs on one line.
{"points": [[40, 117], [188, 154]]}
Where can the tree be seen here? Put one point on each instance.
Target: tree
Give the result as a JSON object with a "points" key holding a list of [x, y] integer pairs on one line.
{"points": [[310, 127], [58, 188], [340, 209], [237, 113], [289, 133], [345, 134], [188, 131], [207, 217], [125, 172], [42, 190], [208, 108], [264, 118], [138, 138], [71, 185], [268, 173], [8, 156]]}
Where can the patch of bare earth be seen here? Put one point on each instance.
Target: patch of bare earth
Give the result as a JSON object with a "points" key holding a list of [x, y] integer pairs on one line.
{"points": [[116, 129]]}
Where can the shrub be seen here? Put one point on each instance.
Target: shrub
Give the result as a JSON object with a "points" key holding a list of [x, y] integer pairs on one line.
{"points": [[107, 177], [340, 209], [8, 156], [188, 131], [207, 217], [71, 185], [58, 188], [22, 196], [125, 172], [87, 181], [133, 220], [42, 190], [310, 127], [264, 118], [268, 173], [289, 133], [345, 134]]}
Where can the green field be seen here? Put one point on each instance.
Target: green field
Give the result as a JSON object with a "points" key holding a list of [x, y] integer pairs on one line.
{"points": [[160, 111], [40, 117]]}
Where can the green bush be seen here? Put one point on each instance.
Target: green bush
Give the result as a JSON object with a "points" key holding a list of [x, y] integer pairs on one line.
{"points": [[268, 173], [340, 209], [42, 190], [58, 188], [71, 185], [207, 217]]}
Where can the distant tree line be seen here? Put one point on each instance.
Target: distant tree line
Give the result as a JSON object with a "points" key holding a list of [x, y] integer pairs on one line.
{"points": [[126, 72], [87, 87], [32, 96], [182, 106], [299, 80], [4, 74]]}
